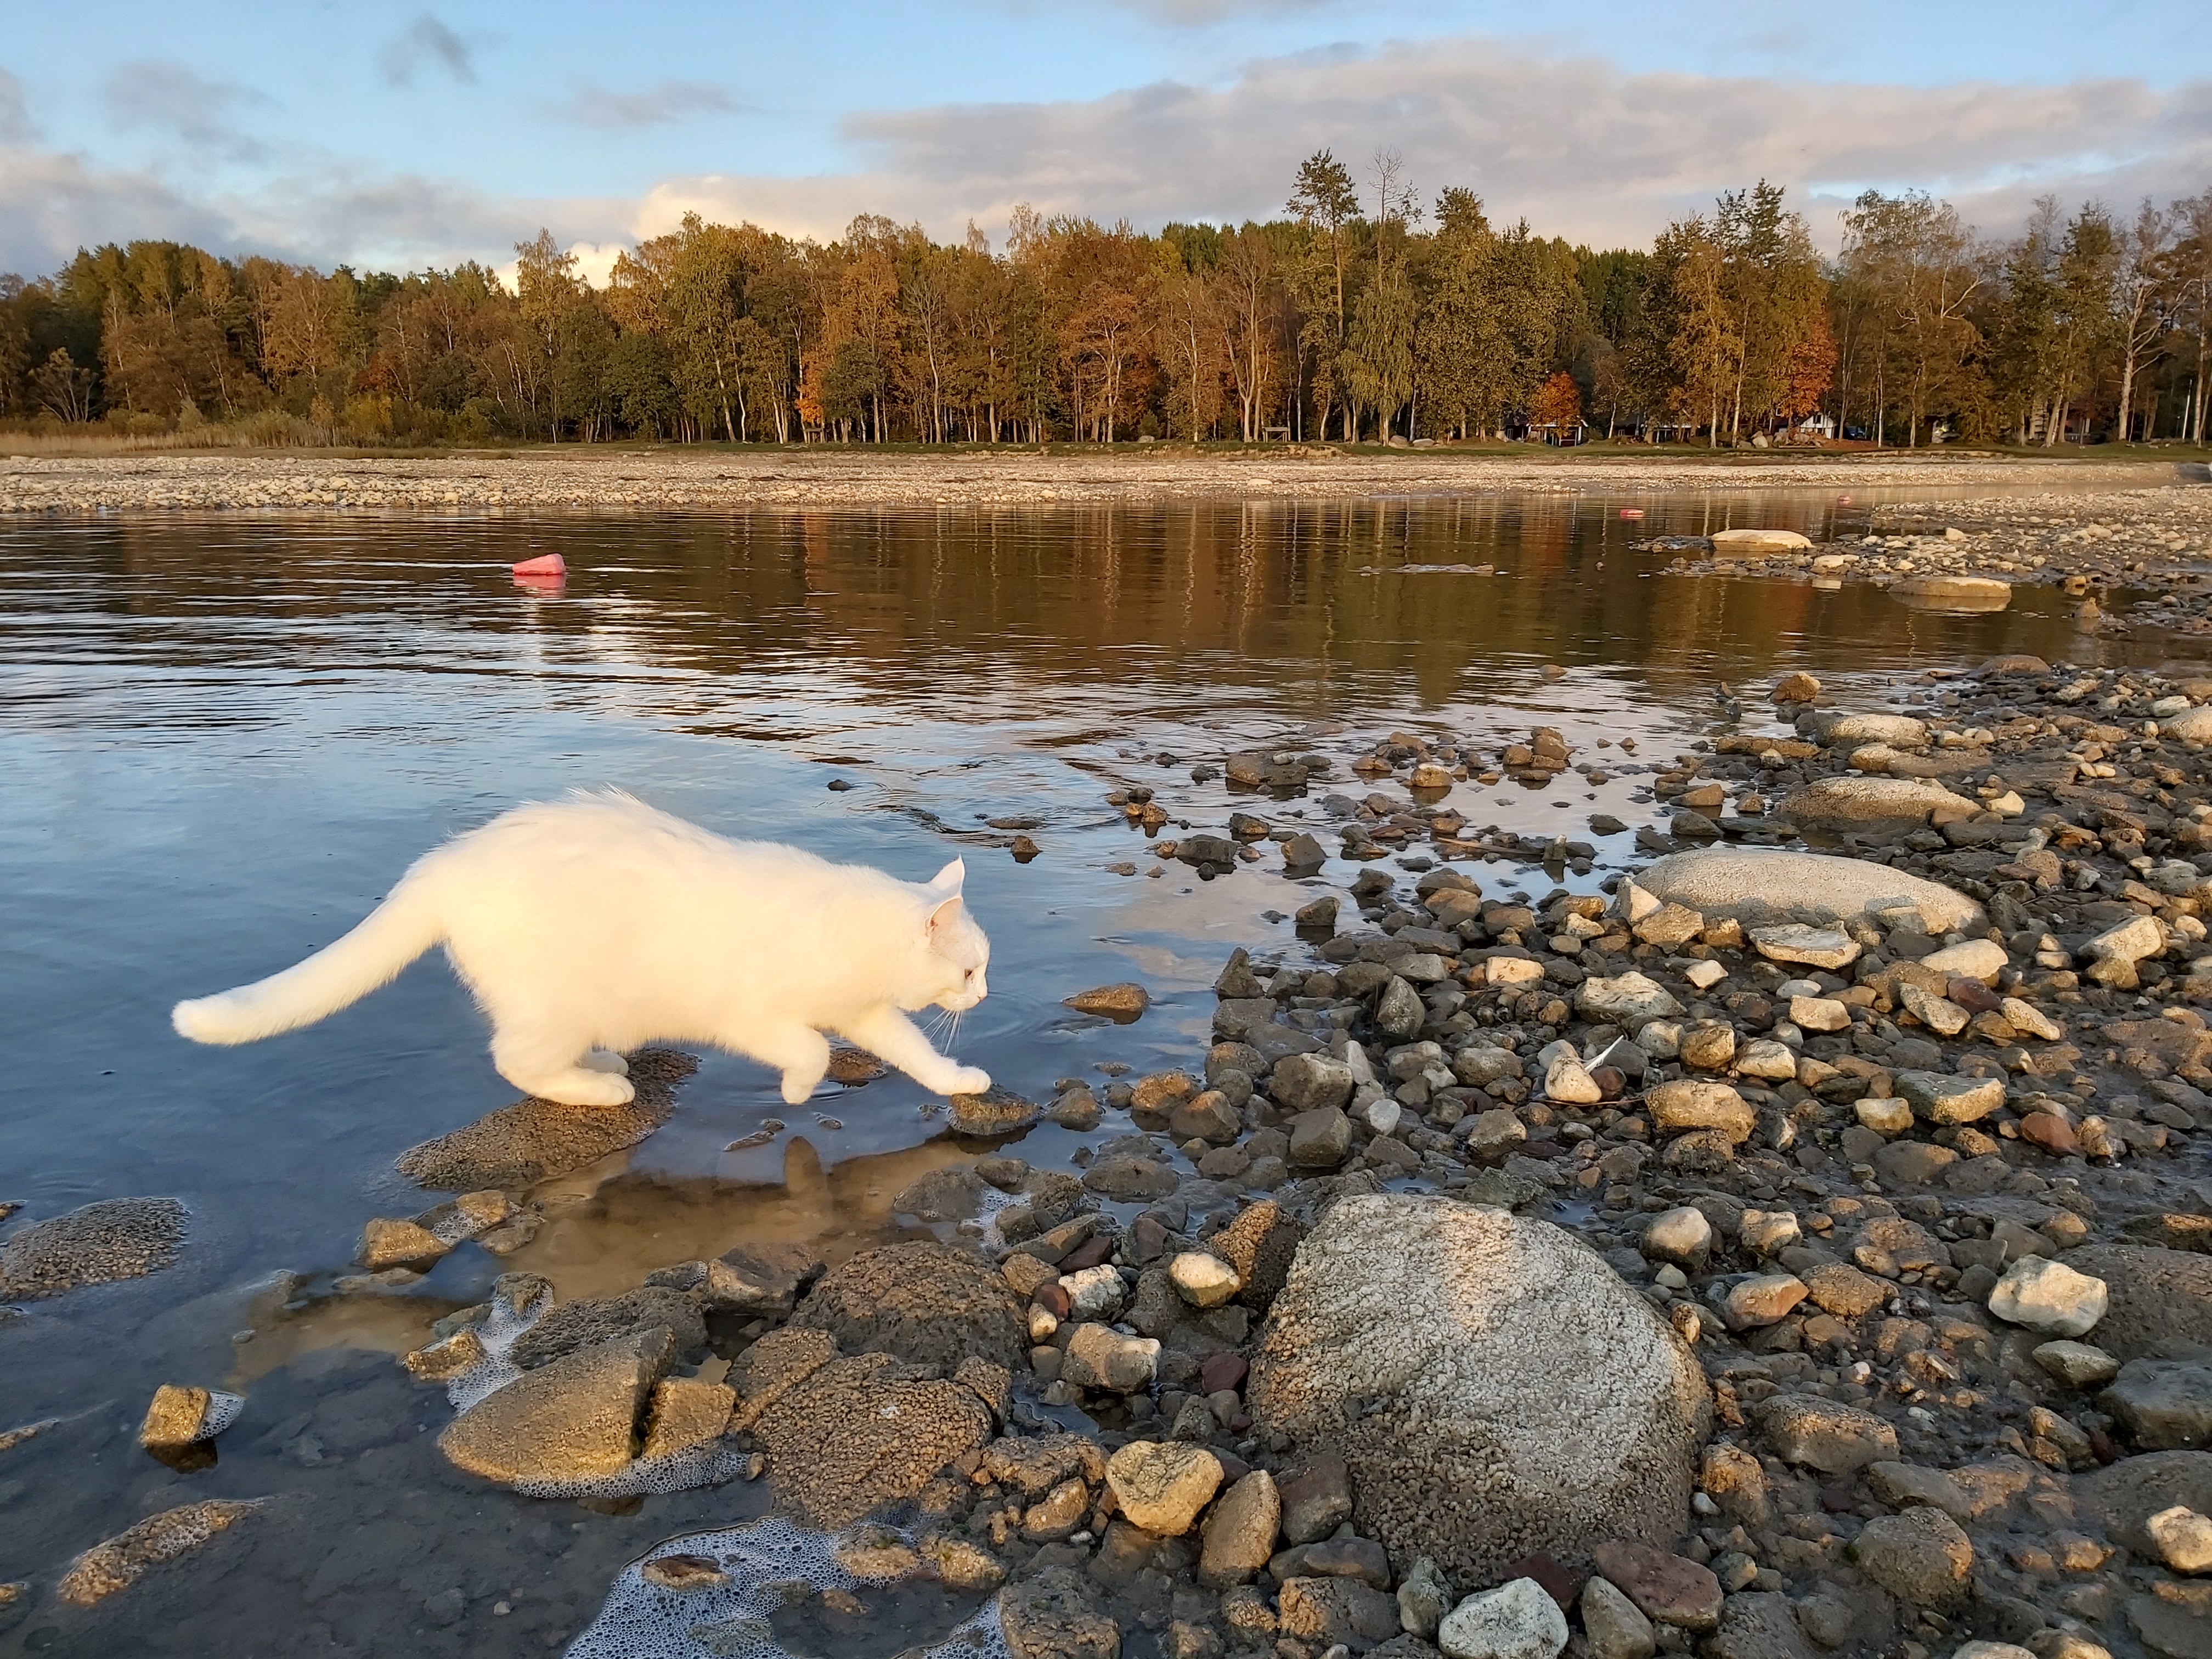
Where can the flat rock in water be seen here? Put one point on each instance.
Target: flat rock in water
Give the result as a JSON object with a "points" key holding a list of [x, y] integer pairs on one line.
{"points": [[1748, 884], [1953, 593], [992, 1115], [533, 1140], [1119, 1003], [1541, 1405], [1757, 543], [124, 1559], [101, 1243]]}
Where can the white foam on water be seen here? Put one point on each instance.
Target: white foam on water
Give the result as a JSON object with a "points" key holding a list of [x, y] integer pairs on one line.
{"points": [[992, 1204], [222, 1410], [713, 1463], [498, 1334], [767, 1563]]}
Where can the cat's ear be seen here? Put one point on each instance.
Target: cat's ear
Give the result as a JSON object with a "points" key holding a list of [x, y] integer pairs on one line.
{"points": [[948, 879], [942, 916]]}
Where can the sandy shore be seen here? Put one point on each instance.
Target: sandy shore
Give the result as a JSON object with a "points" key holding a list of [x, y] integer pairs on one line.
{"points": [[541, 479]]}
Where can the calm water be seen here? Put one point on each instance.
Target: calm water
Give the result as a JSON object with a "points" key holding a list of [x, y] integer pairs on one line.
{"points": [[222, 740]]}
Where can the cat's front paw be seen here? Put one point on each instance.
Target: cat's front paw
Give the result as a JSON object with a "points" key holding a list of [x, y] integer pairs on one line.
{"points": [[588, 1088], [967, 1080], [798, 1088]]}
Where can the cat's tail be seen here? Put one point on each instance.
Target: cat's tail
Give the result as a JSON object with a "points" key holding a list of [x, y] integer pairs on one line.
{"points": [[343, 971]]}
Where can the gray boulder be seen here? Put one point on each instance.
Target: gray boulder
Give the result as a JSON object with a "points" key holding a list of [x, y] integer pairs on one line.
{"points": [[1493, 1386]]}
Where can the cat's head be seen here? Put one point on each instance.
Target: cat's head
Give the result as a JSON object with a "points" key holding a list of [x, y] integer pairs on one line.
{"points": [[953, 954]]}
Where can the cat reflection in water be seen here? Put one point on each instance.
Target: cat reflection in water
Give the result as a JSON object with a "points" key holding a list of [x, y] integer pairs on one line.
{"points": [[585, 927]]}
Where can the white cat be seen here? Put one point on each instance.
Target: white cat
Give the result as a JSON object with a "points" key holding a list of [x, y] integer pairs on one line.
{"points": [[591, 926]]}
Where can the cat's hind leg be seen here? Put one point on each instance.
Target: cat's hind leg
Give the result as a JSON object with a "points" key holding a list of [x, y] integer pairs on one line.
{"points": [[799, 1052], [605, 1060], [890, 1036], [554, 1066]]}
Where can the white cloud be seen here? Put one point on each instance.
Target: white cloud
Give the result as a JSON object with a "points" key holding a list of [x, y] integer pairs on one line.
{"points": [[1582, 148], [15, 126], [668, 102], [425, 41], [51, 205], [184, 104]]}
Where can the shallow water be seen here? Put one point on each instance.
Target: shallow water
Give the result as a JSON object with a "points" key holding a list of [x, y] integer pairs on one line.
{"points": [[222, 740]]}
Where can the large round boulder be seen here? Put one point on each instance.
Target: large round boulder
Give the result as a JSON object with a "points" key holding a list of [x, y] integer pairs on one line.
{"points": [[1493, 1386], [1749, 884]]}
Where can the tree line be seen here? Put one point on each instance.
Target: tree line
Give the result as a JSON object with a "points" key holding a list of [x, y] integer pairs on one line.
{"points": [[1364, 312]]}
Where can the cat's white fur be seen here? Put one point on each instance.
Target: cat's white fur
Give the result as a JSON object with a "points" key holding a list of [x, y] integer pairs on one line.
{"points": [[587, 926]]}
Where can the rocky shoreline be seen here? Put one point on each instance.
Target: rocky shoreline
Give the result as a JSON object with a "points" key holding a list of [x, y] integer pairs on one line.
{"points": [[2137, 558], [1799, 1243], [581, 478]]}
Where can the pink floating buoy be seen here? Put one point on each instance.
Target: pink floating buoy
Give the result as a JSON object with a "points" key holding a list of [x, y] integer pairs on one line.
{"points": [[546, 564], [1631, 512]]}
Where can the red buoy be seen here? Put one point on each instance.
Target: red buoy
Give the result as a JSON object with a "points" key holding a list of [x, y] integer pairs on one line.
{"points": [[1631, 512], [546, 564]]}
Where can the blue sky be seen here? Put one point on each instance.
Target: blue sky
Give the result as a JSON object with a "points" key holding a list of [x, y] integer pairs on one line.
{"points": [[400, 137]]}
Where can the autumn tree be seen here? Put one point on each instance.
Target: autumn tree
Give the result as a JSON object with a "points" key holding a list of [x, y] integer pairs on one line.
{"points": [[1910, 259], [2142, 294], [1558, 404], [1324, 200]]}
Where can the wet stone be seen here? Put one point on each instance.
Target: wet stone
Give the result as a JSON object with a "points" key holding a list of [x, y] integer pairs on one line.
{"points": [[2166, 1404], [1120, 1003], [1825, 1434], [1669, 1589], [857, 1435], [114, 1239], [575, 1325], [991, 1116], [532, 1141], [1921, 1557], [1332, 1611], [124, 1559], [572, 1419], [1053, 1616]]}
